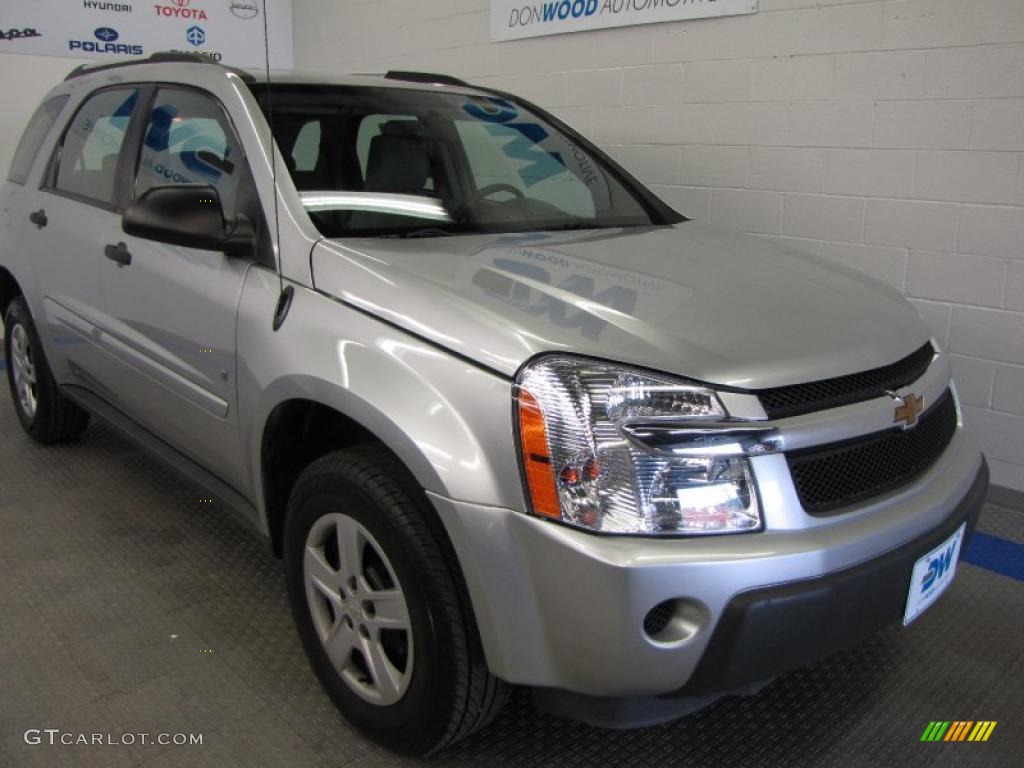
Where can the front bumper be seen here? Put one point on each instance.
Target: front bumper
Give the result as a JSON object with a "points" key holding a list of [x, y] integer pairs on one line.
{"points": [[768, 631], [564, 609]]}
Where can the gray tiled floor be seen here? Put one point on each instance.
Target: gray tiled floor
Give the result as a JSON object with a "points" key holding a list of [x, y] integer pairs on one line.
{"points": [[1002, 522], [127, 605]]}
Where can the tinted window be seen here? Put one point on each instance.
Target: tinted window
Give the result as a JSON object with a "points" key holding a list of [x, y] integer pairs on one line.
{"points": [[306, 152], [92, 145], [32, 139], [491, 150], [372, 126], [396, 162], [190, 141]]}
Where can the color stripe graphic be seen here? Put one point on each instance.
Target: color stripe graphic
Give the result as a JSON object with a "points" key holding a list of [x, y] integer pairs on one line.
{"points": [[958, 730], [935, 730], [982, 730]]}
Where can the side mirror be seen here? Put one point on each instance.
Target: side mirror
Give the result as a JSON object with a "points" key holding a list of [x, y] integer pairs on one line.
{"points": [[189, 215]]}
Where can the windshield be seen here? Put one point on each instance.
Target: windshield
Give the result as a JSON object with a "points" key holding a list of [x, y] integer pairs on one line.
{"points": [[400, 162]]}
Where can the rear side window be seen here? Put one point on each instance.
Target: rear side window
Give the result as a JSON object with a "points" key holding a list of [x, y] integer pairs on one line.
{"points": [[87, 166], [32, 140], [306, 152]]}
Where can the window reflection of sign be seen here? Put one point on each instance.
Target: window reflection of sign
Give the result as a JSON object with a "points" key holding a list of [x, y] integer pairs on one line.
{"points": [[101, 134], [544, 153], [158, 169], [192, 141]]}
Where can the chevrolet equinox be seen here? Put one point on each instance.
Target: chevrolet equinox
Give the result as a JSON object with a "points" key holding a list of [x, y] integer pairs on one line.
{"points": [[509, 419]]}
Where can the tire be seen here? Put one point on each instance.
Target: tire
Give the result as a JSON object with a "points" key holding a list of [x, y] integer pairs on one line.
{"points": [[45, 414], [443, 690]]}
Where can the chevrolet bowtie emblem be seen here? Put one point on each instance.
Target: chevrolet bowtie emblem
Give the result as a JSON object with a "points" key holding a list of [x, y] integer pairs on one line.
{"points": [[908, 408]]}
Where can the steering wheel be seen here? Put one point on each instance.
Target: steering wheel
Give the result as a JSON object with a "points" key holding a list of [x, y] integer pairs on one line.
{"points": [[493, 189]]}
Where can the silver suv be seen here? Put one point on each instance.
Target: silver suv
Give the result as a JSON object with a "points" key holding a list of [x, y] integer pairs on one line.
{"points": [[508, 418]]}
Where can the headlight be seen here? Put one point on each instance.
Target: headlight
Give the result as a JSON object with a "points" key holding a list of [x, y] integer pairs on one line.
{"points": [[576, 418]]}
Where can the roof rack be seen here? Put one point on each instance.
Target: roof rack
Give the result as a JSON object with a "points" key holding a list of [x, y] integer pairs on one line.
{"points": [[160, 57], [425, 77]]}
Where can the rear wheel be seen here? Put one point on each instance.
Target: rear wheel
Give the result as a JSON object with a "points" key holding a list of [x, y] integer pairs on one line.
{"points": [[45, 414], [380, 608]]}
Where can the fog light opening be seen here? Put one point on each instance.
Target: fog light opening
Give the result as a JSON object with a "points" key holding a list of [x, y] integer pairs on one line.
{"points": [[658, 618], [674, 621]]}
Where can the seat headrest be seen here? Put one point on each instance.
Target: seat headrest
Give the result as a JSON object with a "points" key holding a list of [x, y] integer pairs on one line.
{"points": [[397, 164], [407, 128]]}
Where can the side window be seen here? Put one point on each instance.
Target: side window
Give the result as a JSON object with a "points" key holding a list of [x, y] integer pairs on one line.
{"points": [[189, 141], [32, 140], [306, 152], [88, 158]]}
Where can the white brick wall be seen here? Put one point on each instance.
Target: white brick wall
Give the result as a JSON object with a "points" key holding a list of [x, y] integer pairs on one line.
{"points": [[885, 134]]}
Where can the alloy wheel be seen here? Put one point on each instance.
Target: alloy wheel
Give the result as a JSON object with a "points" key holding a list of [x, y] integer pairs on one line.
{"points": [[24, 370], [358, 608]]}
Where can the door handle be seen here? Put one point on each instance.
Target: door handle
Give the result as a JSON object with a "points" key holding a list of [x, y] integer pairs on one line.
{"points": [[38, 218], [118, 253]]}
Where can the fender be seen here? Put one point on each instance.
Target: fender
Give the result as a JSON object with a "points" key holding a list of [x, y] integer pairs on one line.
{"points": [[447, 420]]}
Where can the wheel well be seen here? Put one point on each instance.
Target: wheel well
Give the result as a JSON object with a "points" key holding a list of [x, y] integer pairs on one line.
{"points": [[298, 433], [9, 289]]}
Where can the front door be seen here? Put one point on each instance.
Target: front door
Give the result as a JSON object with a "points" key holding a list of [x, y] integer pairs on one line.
{"points": [[172, 310]]}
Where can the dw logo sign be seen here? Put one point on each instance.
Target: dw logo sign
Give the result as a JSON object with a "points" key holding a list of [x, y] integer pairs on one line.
{"points": [[937, 567]]}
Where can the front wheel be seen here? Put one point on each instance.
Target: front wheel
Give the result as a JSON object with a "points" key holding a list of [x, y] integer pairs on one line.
{"points": [[45, 414], [379, 605]]}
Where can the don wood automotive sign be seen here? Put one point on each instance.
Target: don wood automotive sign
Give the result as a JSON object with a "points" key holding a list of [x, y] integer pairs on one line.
{"points": [[515, 19]]}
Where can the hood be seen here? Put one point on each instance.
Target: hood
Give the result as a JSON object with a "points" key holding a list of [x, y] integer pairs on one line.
{"points": [[714, 306]]}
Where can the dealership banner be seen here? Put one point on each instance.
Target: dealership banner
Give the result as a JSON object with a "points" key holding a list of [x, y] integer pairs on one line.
{"points": [[515, 19], [230, 31]]}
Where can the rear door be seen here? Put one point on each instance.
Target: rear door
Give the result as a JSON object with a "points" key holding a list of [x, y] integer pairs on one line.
{"points": [[78, 203], [17, 195], [172, 310]]}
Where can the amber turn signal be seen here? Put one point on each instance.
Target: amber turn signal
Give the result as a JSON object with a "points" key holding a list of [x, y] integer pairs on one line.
{"points": [[533, 437]]}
